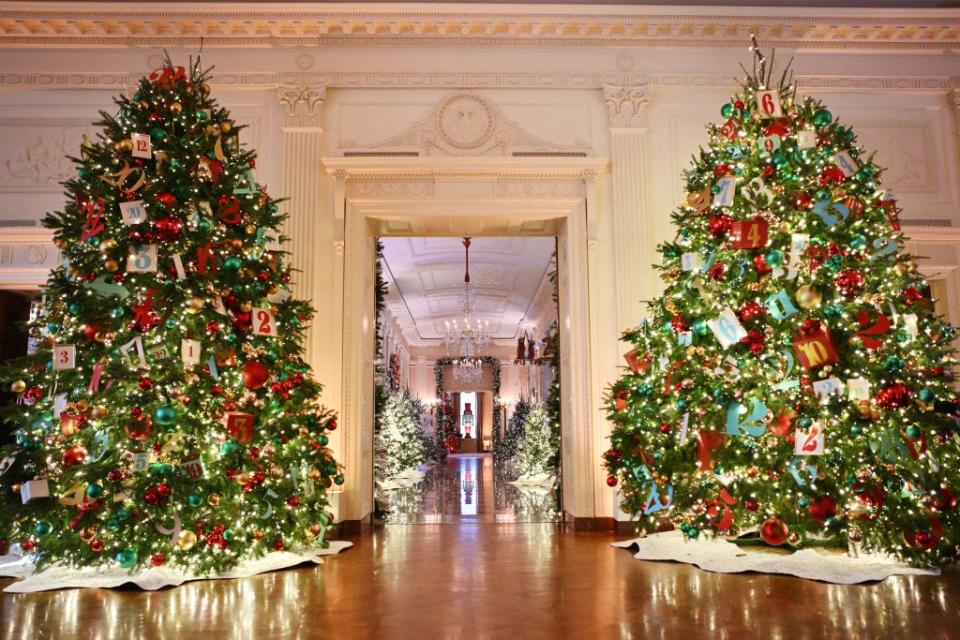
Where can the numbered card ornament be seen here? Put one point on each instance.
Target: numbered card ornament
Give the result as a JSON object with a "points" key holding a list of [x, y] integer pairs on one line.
{"points": [[143, 259], [768, 104], [798, 246], [770, 143], [691, 262], [134, 345], [194, 468], [264, 322], [34, 490], [809, 442], [815, 349], [190, 351], [700, 200], [806, 138], [727, 328], [141, 145], [824, 389], [64, 357], [239, 425], [133, 212], [726, 188], [858, 389], [846, 163], [749, 234]]}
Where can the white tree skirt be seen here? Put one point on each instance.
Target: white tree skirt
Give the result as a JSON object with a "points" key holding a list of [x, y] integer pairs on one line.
{"points": [[404, 479], [720, 556], [544, 480], [62, 577]]}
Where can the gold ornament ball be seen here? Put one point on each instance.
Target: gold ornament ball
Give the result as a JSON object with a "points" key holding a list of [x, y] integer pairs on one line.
{"points": [[176, 107], [225, 127], [107, 245], [793, 539], [242, 478], [111, 266], [212, 129], [15, 488], [257, 534], [214, 500], [246, 307], [204, 88], [123, 145], [784, 227], [315, 529], [186, 540], [195, 304], [250, 229], [808, 297], [235, 243], [18, 386], [99, 412]]}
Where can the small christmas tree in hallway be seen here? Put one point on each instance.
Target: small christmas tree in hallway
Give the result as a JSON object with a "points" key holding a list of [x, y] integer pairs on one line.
{"points": [[168, 417], [511, 439], [399, 441], [539, 445], [785, 383]]}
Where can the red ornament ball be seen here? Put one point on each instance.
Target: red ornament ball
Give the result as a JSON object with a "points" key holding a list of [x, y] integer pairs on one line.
{"points": [[822, 508], [97, 545], [751, 504], [774, 531], [293, 501], [893, 396], [802, 200], [911, 296], [27, 545], [166, 198], [157, 559], [749, 310], [168, 228], [611, 481], [73, 456], [720, 225], [145, 384], [255, 374], [850, 283], [664, 427], [760, 262], [332, 425], [139, 428], [90, 331], [945, 500], [278, 544]]}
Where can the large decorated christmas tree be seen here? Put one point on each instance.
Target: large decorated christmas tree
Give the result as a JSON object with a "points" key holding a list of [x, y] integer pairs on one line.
{"points": [[784, 386], [167, 416]]}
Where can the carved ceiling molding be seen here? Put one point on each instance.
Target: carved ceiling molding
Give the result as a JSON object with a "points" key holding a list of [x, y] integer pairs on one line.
{"points": [[302, 104], [155, 24], [627, 103], [466, 123], [316, 81]]}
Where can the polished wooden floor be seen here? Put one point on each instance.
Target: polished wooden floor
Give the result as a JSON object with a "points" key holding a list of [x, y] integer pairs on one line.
{"points": [[482, 579]]}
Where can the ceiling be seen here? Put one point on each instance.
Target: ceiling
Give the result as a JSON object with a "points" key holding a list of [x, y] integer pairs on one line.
{"points": [[509, 277]]}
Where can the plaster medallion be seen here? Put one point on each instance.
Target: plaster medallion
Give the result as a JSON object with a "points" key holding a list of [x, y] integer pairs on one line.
{"points": [[465, 121]]}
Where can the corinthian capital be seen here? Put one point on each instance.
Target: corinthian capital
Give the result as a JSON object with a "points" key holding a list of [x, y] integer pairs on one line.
{"points": [[627, 103], [302, 104]]}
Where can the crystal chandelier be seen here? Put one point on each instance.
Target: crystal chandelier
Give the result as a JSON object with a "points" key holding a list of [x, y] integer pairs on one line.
{"points": [[466, 340]]}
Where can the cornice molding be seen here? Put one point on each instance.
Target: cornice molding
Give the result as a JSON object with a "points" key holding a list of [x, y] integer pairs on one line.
{"points": [[24, 24], [319, 82]]}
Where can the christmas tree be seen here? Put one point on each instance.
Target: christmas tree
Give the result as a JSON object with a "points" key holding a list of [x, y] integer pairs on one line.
{"points": [[446, 436], [784, 384], [167, 416], [539, 445], [398, 443], [511, 439]]}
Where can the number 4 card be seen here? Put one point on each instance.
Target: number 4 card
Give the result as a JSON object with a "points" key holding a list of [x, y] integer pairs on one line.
{"points": [[264, 323]]}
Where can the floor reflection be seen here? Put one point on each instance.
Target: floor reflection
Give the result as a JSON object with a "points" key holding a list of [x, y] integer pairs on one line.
{"points": [[469, 488]]}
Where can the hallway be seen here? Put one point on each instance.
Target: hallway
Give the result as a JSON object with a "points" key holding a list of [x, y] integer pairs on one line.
{"points": [[491, 581], [469, 488]]}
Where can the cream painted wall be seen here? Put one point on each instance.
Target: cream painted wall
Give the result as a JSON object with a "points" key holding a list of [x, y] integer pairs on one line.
{"points": [[903, 101]]}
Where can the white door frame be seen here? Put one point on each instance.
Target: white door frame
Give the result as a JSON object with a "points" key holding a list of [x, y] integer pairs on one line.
{"points": [[429, 196]]}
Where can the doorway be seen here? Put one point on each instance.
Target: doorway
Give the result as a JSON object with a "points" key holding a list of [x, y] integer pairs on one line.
{"points": [[476, 197]]}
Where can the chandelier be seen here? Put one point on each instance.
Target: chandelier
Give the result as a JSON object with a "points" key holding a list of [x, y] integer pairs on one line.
{"points": [[466, 340]]}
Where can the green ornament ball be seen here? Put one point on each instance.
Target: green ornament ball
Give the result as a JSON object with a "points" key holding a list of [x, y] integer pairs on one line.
{"points": [[165, 414], [94, 491], [727, 110], [181, 191], [331, 469], [43, 528], [804, 422], [272, 355], [272, 208], [126, 558], [228, 534], [774, 258], [856, 429], [693, 532], [184, 142], [233, 263], [113, 523], [925, 395], [803, 503], [822, 118], [170, 323], [204, 224], [202, 115], [701, 328], [194, 499], [123, 514], [158, 135], [230, 446], [684, 526], [868, 170], [117, 312], [75, 308], [858, 242], [914, 432], [46, 415], [339, 480], [84, 173], [175, 164], [323, 440]]}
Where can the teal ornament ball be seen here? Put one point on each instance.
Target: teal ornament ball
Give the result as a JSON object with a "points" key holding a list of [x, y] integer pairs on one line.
{"points": [[75, 308], [158, 135], [868, 170], [774, 258], [701, 328], [203, 224], [230, 446], [803, 503], [272, 208], [170, 323], [117, 312], [323, 440], [804, 422], [822, 118], [113, 523], [914, 432], [43, 528], [194, 499], [233, 263], [126, 558], [165, 414], [681, 403], [84, 173], [339, 480], [693, 532], [228, 535], [727, 110], [123, 514], [926, 395], [94, 491], [858, 242], [331, 469], [684, 526], [856, 429]]}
